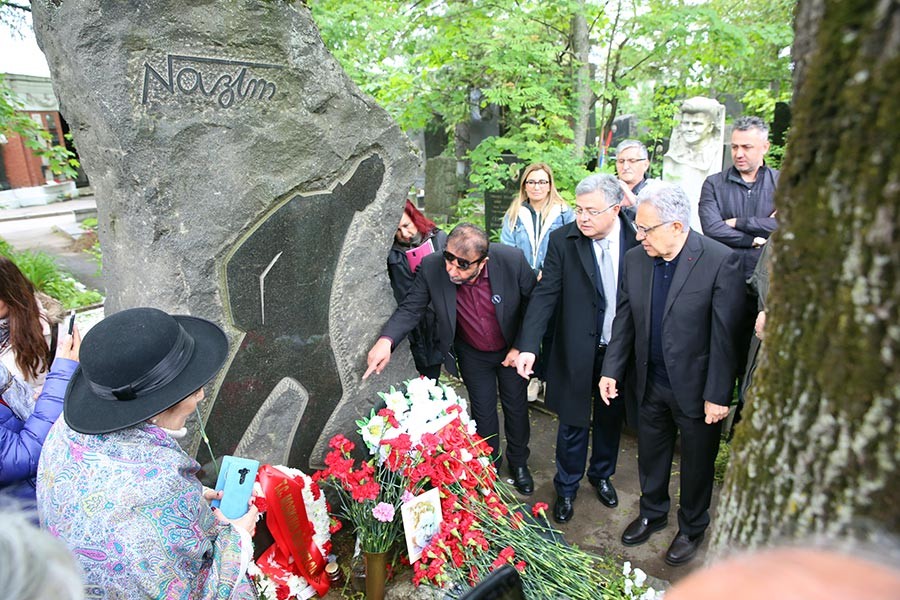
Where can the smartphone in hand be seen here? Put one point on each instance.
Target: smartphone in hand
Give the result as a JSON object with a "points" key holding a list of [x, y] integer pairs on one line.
{"points": [[236, 478], [71, 326]]}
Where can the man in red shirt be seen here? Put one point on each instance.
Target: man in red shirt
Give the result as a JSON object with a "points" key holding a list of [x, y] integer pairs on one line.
{"points": [[478, 292]]}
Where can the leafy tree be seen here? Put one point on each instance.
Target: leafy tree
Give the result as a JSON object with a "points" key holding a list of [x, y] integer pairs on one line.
{"points": [[13, 119], [817, 453], [444, 60]]}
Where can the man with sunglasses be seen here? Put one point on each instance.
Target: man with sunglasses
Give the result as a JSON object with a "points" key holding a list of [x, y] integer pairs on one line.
{"points": [[478, 292], [677, 313], [580, 276]]}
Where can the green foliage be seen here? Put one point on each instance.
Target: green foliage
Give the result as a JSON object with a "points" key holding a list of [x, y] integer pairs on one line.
{"points": [[441, 61], [89, 224], [43, 272], [14, 121]]}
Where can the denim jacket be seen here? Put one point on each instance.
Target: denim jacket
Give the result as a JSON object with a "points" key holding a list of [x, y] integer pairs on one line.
{"points": [[523, 235]]}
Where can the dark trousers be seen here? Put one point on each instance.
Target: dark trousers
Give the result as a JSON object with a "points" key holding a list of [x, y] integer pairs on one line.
{"points": [[743, 335], [660, 420], [572, 442], [430, 372], [482, 373]]}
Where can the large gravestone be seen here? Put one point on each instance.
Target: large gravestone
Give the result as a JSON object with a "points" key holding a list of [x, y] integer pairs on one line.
{"points": [[240, 177]]}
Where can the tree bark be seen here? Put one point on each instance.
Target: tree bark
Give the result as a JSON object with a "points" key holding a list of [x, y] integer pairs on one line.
{"points": [[817, 453], [581, 45]]}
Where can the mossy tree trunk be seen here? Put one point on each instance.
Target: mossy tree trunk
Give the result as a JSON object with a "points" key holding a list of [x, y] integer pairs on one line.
{"points": [[817, 453]]}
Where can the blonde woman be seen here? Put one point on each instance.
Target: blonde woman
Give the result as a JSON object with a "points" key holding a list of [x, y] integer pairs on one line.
{"points": [[537, 210]]}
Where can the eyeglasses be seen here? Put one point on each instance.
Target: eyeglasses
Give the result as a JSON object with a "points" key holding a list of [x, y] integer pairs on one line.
{"points": [[534, 182], [461, 262], [630, 161], [645, 231], [591, 212]]}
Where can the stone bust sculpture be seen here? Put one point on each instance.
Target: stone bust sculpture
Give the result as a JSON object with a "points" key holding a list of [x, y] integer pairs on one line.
{"points": [[695, 148]]}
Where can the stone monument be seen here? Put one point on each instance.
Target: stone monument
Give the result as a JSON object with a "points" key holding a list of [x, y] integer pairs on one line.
{"points": [[241, 177], [695, 149]]}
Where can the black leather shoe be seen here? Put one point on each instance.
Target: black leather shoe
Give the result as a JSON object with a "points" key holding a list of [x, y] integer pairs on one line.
{"points": [[640, 530], [607, 493], [563, 509], [522, 480], [682, 549]]}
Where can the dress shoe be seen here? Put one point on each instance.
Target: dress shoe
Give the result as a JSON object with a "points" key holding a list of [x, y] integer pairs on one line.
{"points": [[682, 549], [640, 530], [522, 480], [607, 493], [563, 509]]}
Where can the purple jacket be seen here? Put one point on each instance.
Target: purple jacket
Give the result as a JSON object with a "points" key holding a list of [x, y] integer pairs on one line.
{"points": [[21, 441]]}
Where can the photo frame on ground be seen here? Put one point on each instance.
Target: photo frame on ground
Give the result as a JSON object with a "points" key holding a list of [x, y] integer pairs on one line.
{"points": [[421, 521]]}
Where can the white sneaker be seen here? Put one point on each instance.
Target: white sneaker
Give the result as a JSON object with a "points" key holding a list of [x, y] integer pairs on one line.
{"points": [[534, 388]]}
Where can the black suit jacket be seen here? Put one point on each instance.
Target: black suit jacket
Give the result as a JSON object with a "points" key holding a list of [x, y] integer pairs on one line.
{"points": [[569, 280], [699, 323], [512, 282]]}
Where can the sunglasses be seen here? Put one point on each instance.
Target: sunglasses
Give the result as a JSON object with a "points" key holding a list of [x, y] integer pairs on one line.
{"points": [[461, 262]]}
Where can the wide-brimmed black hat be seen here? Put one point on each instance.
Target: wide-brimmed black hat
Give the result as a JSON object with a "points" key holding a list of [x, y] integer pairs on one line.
{"points": [[136, 364]]}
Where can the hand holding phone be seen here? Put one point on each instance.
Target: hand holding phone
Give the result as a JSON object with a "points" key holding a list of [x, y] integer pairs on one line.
{"points": [[69, 340], [236, 478]]}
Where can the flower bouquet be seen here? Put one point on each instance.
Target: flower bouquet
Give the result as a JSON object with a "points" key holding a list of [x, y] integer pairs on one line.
{"points": [[425, 438], [297, 516]]}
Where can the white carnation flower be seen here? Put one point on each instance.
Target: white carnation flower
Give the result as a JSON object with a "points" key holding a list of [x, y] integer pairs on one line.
{"points": [[396, 401]]}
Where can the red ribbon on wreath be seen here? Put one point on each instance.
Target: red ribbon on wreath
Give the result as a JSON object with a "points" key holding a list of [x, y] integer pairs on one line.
{"points": [[289, 524]]}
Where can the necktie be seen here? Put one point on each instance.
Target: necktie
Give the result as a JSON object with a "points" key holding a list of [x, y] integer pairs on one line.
{"points": [[609, 288]]}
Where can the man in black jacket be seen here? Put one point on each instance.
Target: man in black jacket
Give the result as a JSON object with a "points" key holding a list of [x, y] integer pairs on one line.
{"points": [[675, 323], [479, 292], [573, 277], [737, 208]]}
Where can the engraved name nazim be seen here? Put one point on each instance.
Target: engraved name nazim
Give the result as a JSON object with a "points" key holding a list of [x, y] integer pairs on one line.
{"points": [[227, 81]]}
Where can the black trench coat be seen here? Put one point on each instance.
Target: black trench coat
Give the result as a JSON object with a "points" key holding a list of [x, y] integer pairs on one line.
{"points": [[569, 277]]}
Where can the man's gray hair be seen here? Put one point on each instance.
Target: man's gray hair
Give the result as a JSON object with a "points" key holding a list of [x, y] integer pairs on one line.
{"points": [[469, 238], [669, 200], [35, 564], [603, 182], [747, 123], [626, 144]]}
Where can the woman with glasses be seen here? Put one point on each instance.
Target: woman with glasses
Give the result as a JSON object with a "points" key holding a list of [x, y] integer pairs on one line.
{"points": [[536, 210], [414, 231]]}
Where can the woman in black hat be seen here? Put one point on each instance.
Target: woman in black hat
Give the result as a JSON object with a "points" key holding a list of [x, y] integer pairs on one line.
{"points": [[113, 482]]}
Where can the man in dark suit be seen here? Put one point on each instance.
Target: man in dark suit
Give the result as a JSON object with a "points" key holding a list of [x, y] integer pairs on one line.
{"points": [[573, 277], [479, 292], [677, 315]]}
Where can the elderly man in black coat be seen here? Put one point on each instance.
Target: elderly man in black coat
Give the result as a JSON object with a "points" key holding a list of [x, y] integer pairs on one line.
{"points": [[679, 304], [580, 274]]}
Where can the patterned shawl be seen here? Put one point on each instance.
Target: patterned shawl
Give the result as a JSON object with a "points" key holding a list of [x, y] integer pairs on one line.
{"points": [[130, 507]]}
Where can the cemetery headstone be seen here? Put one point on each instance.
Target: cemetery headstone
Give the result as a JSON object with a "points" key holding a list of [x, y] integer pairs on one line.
{"points": [[240, 176]]}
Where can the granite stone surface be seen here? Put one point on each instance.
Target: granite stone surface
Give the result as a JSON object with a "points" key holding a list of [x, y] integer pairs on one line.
{"points": [[219, 135]]}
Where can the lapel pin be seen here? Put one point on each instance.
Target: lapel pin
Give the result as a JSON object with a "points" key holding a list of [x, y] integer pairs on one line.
{"points": [[496, 299]]}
